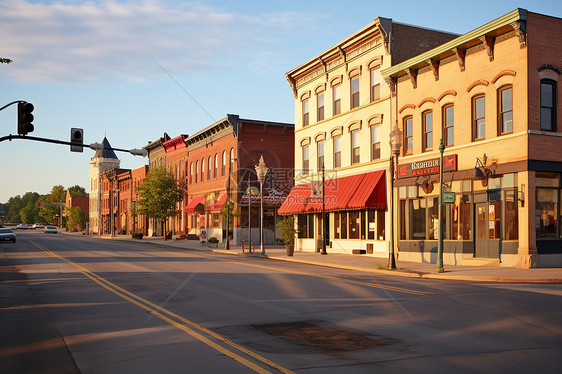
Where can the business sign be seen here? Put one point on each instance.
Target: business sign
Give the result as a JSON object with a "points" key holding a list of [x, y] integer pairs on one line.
{"points": [[427, 167], [448, 198]]}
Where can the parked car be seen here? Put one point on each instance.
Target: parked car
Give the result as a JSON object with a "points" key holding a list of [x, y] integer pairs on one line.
{"points": [[22, 226], [37, 226], [50, 230], [7, 235]]}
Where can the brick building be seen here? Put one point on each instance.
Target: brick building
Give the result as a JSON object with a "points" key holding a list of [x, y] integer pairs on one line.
{"points": [[221, 157], [140, 222], [493, 96], [342, 122], [156, 157], [176, 163]]}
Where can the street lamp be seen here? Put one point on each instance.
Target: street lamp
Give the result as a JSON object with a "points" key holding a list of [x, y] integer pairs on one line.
{"points": [[261, 171], [249, 193], [440, 213], [395, 145], [228, 205]]}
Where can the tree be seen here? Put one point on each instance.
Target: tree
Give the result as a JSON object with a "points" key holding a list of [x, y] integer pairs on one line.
{"points": [[15, 205], [75, 218], [158, 195], [77, 191], [5, 60]]}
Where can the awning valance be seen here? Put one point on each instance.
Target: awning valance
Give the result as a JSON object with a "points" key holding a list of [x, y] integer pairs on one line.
{"points": [[360, 191], [197, 203]]}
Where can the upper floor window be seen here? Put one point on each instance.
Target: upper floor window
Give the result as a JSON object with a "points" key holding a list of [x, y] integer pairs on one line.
{"points": [[548, 105], [209, 167], [320, 106], [216, 166], [223, 163], [191, 173], [427, 123], [337, 151], [320, 154], [196, 170], [408, 135], [305, 159], [355, 154], [375, 142], [505, 109], [449, 125], [375, 86], [231, 158], [336, 95], [478, 118], [202, 170], [305, 113], [354, 92]]}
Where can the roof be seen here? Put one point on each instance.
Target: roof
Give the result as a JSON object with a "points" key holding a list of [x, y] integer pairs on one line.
{"points": [[464, 41], [106, 151]]}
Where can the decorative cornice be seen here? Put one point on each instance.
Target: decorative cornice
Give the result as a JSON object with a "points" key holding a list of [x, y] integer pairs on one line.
{"points": [[407, 106], [488, 42], [460, 54], [502, 74], [434, 65], [413, 75], [479, 82], [446, 93], [521, 30], [426, 100]]}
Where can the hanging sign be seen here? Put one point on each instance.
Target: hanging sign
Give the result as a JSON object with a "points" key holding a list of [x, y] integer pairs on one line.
{"points": [[448, 198]]}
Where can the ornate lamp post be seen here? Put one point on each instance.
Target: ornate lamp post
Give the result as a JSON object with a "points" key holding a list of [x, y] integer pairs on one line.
{"points": [[261, 171], [440, 213], [395, 145]]}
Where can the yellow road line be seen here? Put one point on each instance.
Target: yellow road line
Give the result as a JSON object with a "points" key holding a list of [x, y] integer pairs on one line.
{"points": [[161, 313], [329, 277]]}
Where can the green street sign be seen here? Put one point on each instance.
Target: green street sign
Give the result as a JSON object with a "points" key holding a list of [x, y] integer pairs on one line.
{"points": [[448, 197]]}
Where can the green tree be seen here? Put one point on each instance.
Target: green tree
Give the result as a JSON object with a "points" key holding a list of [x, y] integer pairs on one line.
{"points": [[15, 204], [75, 217], [5, 60], [48, 212], [77, 191], [159, 194]]}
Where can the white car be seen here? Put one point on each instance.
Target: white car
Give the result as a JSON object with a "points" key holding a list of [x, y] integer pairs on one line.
{"points": [[22, 226], [7, 235], [50, 230]]}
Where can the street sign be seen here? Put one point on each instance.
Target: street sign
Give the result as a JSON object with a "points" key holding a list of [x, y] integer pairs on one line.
{"points": [[448, 197]]}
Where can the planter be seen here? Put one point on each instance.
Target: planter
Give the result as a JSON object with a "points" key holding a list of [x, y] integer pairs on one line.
{"points": [[213, 245], [290, 249]]}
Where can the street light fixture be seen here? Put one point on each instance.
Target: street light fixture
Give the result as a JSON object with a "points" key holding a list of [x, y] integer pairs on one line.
{"points": [[395, 145], [261, 171]]}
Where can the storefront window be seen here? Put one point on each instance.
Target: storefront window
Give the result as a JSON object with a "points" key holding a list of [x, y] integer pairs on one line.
{"points": [[340, 225], [546, 205], [460, 218], [306, 226], [417, 219], [343, 225], [511, 231], [433, 216], [354, 225], [337, 230], [375, 224]]}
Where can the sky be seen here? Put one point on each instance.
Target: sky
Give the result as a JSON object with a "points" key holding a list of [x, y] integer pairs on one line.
{"points": [[132, 70]]}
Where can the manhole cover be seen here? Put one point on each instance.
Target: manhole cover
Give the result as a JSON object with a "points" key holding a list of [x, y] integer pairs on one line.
{"points": [[325, 338]]}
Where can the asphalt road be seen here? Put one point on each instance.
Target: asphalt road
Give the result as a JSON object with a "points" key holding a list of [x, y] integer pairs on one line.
{"points": [[73, 304]]}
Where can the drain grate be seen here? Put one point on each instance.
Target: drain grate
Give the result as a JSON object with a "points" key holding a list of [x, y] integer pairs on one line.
{"points": [[321, 337]]}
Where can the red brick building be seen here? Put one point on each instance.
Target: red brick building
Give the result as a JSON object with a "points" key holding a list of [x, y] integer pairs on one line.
{"points": [[176, 163], [221, 158], [116, 192], [140, 222]]}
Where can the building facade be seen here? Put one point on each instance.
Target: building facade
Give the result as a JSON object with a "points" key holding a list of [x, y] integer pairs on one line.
{"points": [[176, 163], [140, 222], [221, 158], [156, 157], [104, 160], [342, 127], [493, 97]]}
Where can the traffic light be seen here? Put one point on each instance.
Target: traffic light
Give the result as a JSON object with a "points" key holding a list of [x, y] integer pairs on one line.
{"points": [[25, 118], [77, 139]]}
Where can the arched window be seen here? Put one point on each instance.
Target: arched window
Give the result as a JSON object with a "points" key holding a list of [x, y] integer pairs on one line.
{"points": [[191, 173], [223, 163], [408, 130], [216, 166], [209, 167], [427, 123], [202, 170], [448, 116], [231, 158], [196, 170]]}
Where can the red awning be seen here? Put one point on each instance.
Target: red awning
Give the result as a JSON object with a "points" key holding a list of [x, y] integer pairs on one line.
{"points": [[348, 193], [218, 205], [197, 203]]}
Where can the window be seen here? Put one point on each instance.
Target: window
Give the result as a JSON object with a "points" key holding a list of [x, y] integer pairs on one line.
{"points": [[511, 226], [548, 105], [478, 118], [305, 113], [320, 154], [375, 224], [354, 225], [306, 226], [355, 154], [336, 94], [305, 159], [354, 92], [209, 167], [505, 110], [375, 142], [202, 170], [337, 151], [375, 87], [320, 106], [547, 205], [427, 119], [216, 166], [196, 170], [449, 125], [231, 159], [340, 225], [191, 173], [408, 136], [223, 163]]}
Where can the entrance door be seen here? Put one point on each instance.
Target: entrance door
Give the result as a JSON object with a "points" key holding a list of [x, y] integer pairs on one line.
{"points": [[481, 232]]}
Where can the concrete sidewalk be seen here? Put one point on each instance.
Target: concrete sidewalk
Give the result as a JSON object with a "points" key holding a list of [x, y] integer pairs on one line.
{"points": [[378, 265]]}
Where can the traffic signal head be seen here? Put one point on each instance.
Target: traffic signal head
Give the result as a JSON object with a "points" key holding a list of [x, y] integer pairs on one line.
{"points": [[77, 140], [25, 118]]}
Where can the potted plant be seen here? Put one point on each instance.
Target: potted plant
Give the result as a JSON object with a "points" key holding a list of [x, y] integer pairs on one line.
{"points": [[288, 232], [213, 242]]}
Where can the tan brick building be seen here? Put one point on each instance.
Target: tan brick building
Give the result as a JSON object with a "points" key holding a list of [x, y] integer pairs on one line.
{"points": [[493, 96]]}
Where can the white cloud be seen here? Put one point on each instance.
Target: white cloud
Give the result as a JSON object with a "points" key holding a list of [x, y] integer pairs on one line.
{"points": [[92, 41]]}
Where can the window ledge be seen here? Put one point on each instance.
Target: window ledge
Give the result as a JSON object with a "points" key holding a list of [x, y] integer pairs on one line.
{"points": [[547, 133]]}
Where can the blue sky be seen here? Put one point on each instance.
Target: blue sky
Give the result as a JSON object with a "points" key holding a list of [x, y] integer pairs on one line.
{"points": [[132, 70]]}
